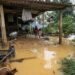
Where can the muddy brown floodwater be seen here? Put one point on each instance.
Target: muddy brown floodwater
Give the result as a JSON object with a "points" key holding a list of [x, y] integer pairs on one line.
{"points": [[40, 58]]}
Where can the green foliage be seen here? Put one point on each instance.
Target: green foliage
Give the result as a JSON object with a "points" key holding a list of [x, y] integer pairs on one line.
{"points": [[52, 28], [68, 20], [46, 29], [73, 40], [68, 25], [68, 66]]}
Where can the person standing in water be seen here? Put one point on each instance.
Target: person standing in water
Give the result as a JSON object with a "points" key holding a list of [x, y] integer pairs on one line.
{"points": [[36, 31]]}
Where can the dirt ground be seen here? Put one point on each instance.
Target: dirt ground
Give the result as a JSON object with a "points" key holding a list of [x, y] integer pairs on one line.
{"points": [[36, 62]]}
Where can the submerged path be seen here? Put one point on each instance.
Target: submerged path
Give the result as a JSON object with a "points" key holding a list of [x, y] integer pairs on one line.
{"points": [[40, 59]]}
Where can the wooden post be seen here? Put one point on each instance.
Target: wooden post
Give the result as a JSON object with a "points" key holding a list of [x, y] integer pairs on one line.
{"points": [[60, 27], [43, 18], [3, 29]]}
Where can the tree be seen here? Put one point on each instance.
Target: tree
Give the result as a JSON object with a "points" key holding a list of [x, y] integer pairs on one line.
{"points": [[68, 25]]}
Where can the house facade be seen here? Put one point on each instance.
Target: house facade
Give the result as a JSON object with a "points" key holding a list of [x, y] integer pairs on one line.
{"points": [[10, 10]]}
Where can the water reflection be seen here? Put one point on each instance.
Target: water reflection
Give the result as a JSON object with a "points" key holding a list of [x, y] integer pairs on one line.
{"points": [[47, 60], [48, 56]]}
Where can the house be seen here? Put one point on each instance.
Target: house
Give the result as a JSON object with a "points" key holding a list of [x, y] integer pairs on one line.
{"points": [[13, 8]]}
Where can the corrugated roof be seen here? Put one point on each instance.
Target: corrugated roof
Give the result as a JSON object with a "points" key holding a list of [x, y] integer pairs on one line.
{"points": [[33, 4]]}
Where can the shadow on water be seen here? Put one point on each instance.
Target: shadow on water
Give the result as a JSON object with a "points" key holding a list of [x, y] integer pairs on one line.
{"points": [[22, 59]]}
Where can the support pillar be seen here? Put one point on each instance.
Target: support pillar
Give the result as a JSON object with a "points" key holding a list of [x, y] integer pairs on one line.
{"points": [[60, 27], [3, 29]]}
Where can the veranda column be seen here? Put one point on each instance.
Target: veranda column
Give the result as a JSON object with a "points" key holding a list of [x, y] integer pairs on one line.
{"points": [[60, 27], [3, 29]]}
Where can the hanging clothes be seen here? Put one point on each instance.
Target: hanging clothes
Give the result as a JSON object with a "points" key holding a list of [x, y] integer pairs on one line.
{"points": [[26, 15]]}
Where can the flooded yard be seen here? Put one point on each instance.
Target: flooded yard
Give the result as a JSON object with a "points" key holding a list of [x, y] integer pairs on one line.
{"points": [[39, 58]]}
